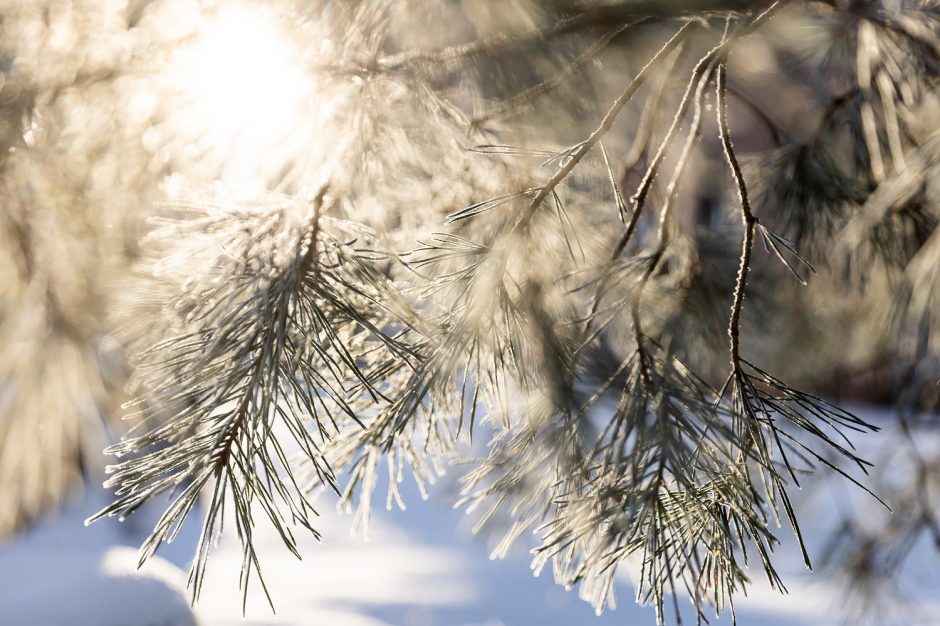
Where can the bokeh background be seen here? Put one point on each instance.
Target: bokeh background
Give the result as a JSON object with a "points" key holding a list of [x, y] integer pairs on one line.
{"points": [[109, 109]]}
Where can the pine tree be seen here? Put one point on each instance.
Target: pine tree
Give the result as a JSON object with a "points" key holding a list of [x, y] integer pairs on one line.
{"points": [[628, 246]]}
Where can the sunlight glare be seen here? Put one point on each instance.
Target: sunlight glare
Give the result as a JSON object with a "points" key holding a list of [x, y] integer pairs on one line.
{"points": [[247, 89]]}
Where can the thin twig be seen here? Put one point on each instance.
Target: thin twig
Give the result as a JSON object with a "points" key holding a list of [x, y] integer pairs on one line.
{"points": [[583, 148], [701, 80], [639, 197], [651, 111], [747, 217]]}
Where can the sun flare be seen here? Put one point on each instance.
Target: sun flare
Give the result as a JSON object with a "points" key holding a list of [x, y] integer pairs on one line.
{"points": [[247, 89]]}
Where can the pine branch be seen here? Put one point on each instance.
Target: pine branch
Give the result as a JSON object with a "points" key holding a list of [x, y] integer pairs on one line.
{"points": [[584, 147], [292, 351], [277, 332], [638, 200]]}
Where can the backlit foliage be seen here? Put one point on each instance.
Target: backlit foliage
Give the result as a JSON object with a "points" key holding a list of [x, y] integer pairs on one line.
{"points": [[589, 239]]}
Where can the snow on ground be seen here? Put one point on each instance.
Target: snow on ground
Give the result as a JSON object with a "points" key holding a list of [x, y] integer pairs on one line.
{"points": [[420, 568], [63, 574]]}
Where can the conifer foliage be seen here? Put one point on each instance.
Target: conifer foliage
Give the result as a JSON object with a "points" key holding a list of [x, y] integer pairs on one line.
{"points": [[561, 243]]}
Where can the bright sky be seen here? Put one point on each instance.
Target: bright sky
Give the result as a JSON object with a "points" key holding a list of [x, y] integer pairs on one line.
{"points": [[247, 88]]}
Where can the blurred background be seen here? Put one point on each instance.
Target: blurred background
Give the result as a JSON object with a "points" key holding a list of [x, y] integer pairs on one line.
{"points": [[111, 108]]}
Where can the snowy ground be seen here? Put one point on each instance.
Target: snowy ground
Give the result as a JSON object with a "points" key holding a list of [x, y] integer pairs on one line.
{"points": [[421, 568]]}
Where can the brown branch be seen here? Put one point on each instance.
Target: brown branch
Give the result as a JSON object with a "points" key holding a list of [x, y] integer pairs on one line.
{"points": [[719, 51], [700, 79], [644, 127], [696, 85], [584, 147], [747, 217], [223, 448]]}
